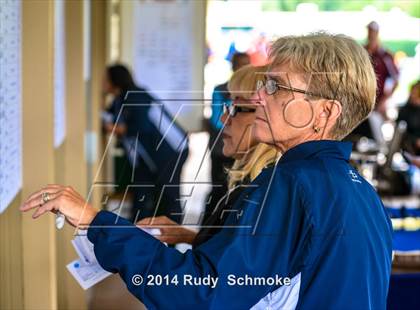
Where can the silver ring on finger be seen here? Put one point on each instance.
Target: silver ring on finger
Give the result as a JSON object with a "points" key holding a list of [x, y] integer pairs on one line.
{"points": [[45, 197]]}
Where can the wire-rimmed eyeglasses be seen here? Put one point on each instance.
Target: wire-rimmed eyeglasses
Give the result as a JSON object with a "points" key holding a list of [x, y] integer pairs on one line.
{"points": [[272, 86]]}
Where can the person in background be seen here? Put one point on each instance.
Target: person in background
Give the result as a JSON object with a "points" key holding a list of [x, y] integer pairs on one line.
{"points": [[410, 113], [385, 69], [258, 50], [156, 146], [116, 82], [387, 81], [219, 161], [238, 143]]}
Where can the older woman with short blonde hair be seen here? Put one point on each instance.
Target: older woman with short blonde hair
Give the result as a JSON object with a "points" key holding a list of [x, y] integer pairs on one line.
{"points": [[332, 230], [326, 67], [307, 233]]}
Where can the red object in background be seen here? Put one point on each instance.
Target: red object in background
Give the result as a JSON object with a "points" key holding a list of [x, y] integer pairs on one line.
{"points": [[383, 63], [258, 52]]}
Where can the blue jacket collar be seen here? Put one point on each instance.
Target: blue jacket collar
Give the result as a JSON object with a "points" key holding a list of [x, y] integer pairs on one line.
{"points": [[319, 148]]}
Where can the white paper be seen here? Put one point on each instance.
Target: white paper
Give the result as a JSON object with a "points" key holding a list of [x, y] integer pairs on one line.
{"points": [[59, 74], [87, 275], [86, 270], [163, 31], [151, 231], [10, 102]]}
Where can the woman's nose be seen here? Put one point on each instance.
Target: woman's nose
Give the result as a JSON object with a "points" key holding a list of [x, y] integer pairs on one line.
{"points": [[259, 96]]}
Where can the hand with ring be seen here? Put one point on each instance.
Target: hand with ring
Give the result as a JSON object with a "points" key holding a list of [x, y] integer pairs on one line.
{"points": [[61, 199]]}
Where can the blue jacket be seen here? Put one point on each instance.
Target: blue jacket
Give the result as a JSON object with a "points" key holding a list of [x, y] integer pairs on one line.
{"points": [[312, 218]]}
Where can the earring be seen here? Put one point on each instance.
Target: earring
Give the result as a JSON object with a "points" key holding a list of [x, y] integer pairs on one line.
{"points": [[317, 129]]}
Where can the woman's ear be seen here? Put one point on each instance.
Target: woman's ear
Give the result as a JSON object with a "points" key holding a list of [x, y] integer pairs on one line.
{"points": [[336, 109], [330, 111]]}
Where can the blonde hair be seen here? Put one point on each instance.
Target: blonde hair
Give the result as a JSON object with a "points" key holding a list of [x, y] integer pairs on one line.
{"points": [[336, 67], [252, 163], [243, 83]]}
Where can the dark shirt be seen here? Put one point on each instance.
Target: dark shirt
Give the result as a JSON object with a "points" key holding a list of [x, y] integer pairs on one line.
{"points": [[132, 117], [410, 113], [214, 221], [153, 141], [159, 135]]}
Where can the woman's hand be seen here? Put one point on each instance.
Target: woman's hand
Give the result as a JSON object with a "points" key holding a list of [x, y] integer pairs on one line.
{"points": [[170, 232], [63, 199]]}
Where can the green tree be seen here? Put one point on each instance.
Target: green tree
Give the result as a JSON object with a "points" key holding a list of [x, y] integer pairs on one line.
{"points": [[412, 7]]}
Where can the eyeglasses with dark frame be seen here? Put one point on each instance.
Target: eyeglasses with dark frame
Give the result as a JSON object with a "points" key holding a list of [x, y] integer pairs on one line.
{"points": [[233, 109]]}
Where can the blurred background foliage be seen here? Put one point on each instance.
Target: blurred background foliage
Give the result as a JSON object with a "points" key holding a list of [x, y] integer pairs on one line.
{"points": [[412, 7]]}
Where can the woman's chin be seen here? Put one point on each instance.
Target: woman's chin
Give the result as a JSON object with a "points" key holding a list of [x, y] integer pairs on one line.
{"points": [[260, 135], [227, 152]]}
